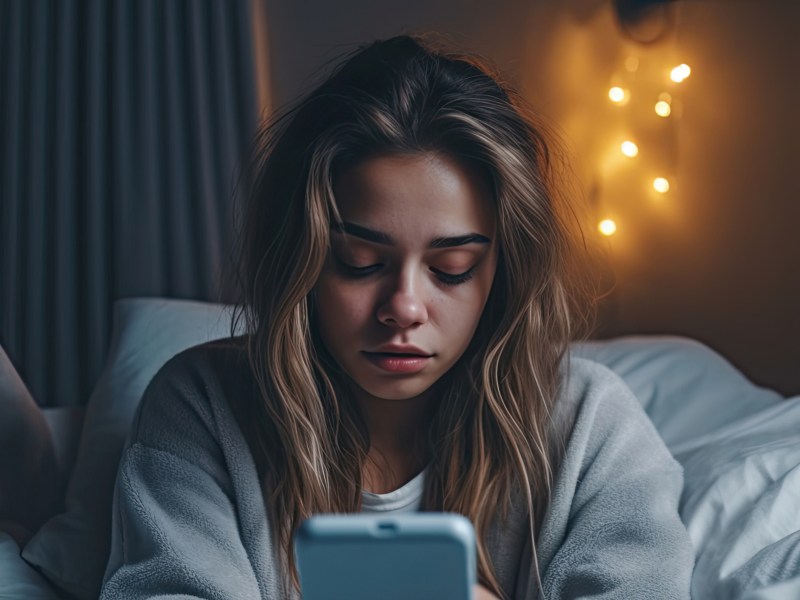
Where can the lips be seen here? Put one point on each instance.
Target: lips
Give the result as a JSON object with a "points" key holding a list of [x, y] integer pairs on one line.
{"points": [[400, 350], [400, 354], [399, 362]]}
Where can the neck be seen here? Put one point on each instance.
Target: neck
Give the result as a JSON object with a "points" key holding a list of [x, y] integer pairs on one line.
{"points": [[398, 432], [395, 426]]}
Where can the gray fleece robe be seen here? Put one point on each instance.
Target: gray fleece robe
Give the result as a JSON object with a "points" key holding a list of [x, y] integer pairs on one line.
{"points": [[189, 519]]}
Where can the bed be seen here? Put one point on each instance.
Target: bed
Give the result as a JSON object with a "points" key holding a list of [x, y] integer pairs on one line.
{"points": [[739, 446]]}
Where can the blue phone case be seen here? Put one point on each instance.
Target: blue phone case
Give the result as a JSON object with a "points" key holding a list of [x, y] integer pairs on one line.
{"points": [[406, 556]]}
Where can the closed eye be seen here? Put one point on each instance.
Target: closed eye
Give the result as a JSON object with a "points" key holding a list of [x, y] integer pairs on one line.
{"points": [[454, 279], [355, 271], [446, 278]]}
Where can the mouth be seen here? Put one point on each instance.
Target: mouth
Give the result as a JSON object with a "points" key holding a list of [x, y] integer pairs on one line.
{"points": [[400, 354], [398, 362]]}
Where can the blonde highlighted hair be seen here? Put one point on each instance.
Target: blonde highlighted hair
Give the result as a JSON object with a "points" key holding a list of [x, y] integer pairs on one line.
{"points": [[489, 439]]}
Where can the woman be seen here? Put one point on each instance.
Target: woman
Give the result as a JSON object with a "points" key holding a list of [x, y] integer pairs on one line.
{"points": [[404, 267]]}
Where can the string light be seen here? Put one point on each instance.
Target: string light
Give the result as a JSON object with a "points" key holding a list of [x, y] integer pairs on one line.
{"points": [[680, 73], [607, 227], [661, 185], [632, 63], [663, 109], [618, 95], [629, 149]]}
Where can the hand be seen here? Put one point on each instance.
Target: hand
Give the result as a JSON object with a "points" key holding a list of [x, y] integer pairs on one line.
{"points": [[481, 593]]}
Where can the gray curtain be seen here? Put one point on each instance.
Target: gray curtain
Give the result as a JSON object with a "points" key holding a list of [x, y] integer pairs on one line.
{"points": [[123, 125]]}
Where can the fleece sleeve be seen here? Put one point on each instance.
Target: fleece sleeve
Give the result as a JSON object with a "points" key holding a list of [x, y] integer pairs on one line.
{"points": [[622, 536], [175, 531]]}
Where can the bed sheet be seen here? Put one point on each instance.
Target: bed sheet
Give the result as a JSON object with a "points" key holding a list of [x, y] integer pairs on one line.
{"points": [[739, 445]]}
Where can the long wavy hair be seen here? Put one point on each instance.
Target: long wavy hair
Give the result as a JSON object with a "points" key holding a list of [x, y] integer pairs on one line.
{"points": [[490, 437]]}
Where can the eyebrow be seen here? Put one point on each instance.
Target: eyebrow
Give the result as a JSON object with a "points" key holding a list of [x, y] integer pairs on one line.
{"points": [[380, 237]]}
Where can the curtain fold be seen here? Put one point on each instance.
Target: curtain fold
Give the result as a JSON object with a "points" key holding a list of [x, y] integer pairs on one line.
{"points": [[124, 124]]}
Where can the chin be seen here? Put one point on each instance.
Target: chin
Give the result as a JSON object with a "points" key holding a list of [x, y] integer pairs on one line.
{"points": [[398, 390]]}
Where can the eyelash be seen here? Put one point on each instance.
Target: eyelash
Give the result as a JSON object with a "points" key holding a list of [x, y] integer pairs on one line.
{"points": [[458, 279], [445, 278]]}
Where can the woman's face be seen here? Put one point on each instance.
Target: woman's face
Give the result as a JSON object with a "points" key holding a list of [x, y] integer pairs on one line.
{"points": [[406, 281]]}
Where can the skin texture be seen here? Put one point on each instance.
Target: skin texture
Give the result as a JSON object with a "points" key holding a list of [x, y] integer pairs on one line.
{"points": [[481, 593], [404, 297]]}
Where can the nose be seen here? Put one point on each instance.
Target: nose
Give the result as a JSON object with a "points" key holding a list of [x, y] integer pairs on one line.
{"points": [[404, 305]]}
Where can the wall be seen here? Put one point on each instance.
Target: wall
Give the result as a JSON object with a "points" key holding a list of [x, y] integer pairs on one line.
{"points": [[306, 33], [716, 259]]}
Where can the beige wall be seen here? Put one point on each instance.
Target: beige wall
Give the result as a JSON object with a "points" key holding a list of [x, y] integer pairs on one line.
{"points": [[715, 259]]}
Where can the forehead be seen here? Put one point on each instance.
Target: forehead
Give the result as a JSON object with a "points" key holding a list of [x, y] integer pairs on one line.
{"points": [[416, 195]]}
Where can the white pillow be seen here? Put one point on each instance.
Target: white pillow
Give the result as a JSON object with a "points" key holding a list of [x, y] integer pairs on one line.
{"points": [[686, 388], [30, 488], [18, 579], [72, 548]]}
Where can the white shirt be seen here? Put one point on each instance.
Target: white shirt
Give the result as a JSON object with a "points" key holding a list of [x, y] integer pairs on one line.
{"points": [[404, 499]]}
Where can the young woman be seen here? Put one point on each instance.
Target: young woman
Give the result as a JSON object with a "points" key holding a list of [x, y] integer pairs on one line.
{"points": [[406, 290]]}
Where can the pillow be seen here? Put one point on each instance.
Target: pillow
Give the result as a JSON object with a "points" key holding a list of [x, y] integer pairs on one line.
{"points": [[686, 388], [19, 579], [740, 451], [29, 484], [72, 548]]}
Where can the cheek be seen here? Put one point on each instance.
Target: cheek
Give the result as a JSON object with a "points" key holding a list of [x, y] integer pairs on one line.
{"points": [[340, 308], [459, 313], [482, 286], [474, 303]]}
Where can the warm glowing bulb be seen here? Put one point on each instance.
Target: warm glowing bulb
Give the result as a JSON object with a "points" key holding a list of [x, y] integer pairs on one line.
{"points": [[661, 185], [607, 227], [617, 94], [663, 108], [680, 73], [632, 63], [629, 148]]}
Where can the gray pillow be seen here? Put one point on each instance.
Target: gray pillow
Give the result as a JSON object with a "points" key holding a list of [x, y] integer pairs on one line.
{"points": [[72, 548], [18, 579], [29, 485]]}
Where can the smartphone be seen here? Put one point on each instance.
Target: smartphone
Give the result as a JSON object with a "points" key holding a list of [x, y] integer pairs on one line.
{"points": [[417, 556]]}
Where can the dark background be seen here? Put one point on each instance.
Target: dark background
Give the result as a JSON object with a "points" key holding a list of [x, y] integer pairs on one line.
{"points": [[123, 123]]}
